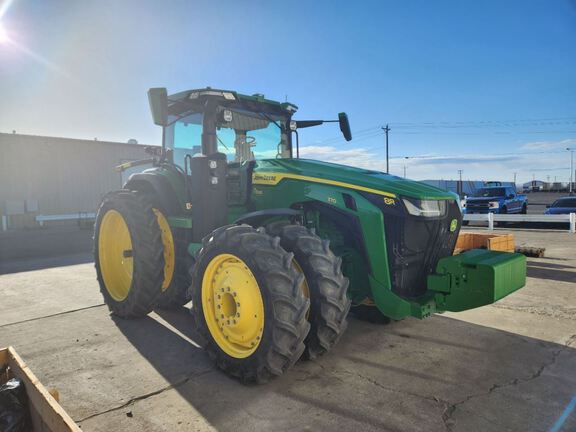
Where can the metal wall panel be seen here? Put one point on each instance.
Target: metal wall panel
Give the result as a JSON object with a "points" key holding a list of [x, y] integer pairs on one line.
{"points": [[63, 175]]}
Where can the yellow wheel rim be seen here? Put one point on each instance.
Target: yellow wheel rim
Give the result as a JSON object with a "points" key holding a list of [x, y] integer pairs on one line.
{"points": [[232, 305], [304, 287], [168, 242], [115, 255]]}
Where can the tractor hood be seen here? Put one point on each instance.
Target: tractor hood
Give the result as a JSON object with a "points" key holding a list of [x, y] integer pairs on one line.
{"points": [[306, 169]]}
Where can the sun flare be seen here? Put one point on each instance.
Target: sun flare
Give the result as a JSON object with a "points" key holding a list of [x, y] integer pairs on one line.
{"points": [[3, 35]]}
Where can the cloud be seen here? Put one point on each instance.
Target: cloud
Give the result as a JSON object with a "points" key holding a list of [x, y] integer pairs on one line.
{"points": [[549, 145], [463, 160], [527, 160]]}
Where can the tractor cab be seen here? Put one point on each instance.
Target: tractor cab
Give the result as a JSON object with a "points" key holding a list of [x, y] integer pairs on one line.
{"points": [[243, 128], [215, 136]]}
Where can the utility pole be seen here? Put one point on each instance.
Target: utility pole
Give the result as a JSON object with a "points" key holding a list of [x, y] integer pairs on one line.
{"points": [[386, 130], [404, 171], [515, 179], [460, 188], [571, 150]]}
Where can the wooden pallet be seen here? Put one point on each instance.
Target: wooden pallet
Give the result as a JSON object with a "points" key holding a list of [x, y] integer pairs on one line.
{"points": [[47, 414], [495, 242]]}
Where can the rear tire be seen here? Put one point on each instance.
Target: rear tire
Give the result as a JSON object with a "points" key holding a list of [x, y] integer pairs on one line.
{"points": [[128, 254], [268, 336], [326, 285], [177, 260]]}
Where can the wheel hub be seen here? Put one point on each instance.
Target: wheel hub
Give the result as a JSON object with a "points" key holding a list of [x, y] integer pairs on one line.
{"points": [[233, 305]]}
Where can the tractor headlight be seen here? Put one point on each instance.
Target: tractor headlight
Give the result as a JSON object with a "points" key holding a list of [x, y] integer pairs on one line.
{"points": [[493, 204], [425, 208]]}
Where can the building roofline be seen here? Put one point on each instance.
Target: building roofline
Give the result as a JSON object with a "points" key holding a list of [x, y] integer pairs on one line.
{"points": [[85, 141]]}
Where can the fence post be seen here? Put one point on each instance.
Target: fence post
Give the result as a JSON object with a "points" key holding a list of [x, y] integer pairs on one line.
{"points": [[573, 222], [491, 221]]}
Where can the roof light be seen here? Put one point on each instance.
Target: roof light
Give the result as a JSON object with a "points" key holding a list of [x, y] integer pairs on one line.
{"points": [[224, 94], [227, 116]]}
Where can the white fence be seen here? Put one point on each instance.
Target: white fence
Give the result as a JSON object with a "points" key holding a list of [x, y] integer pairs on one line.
{"points": [[63, 217], [491, 218]]}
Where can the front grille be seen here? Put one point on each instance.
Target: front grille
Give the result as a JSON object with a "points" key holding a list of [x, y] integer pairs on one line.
{"points": [[415, 245], [477, 206]]}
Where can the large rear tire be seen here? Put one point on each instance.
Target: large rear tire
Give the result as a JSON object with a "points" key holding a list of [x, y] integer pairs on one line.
{"points": [[247, 305], [177, 260], [128, 253], [324, 284]]}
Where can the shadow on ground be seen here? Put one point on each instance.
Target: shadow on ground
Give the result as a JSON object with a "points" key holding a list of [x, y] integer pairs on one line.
{"points": [[25, 265], [439, 374]]}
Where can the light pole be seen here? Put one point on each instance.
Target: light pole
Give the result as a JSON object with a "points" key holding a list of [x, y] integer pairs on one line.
{"points": [[386, 130], [405, 157], [460, 188], [571, 150]]}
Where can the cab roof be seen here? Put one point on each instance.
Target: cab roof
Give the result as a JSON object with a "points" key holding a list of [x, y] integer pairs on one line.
{"points": [[194, 100]]}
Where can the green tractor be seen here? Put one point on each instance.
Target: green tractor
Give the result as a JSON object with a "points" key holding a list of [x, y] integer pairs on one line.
{"points": [[274, 250]]}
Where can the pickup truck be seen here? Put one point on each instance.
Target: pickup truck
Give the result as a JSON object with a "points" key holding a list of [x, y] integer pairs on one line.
{"points": [[496, 199]]}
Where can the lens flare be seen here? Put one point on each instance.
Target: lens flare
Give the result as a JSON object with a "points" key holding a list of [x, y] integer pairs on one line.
{"points": [[3, 35]]}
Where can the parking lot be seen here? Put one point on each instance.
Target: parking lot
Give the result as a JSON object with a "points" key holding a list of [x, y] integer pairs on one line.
{"points": [[509, 366]]}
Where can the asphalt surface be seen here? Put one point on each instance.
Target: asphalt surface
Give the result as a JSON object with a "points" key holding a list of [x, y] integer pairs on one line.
{"points": [[505, 367]]}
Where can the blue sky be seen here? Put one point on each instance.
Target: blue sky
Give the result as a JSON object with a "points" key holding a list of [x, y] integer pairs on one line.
{"points": [[484, 86]]}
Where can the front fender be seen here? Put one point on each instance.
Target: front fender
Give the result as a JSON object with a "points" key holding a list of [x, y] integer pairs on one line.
{"points": [[159, 186]]}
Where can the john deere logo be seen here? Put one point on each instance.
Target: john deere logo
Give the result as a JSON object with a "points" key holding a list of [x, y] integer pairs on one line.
{"points": [[453, 225]]}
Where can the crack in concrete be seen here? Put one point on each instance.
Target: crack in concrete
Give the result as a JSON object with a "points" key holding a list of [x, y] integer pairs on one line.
{"points": [[451, 408], [376, 383], [146, 396], [52, 315], [382, 386]]}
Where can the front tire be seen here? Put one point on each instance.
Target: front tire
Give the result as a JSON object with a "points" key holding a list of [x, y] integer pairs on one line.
{"points": [[324, 284], [247, 304], [128, 254]]}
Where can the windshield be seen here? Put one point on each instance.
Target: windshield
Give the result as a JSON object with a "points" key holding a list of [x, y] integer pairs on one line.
{"points": [[244, 135], [241, 136], [565, 202], [490, 192]]}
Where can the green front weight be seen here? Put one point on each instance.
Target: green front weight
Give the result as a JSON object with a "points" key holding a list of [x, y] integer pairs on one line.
{"points": [[476, 278]]}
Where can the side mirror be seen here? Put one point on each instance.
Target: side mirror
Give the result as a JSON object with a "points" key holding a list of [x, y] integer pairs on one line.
{"points": [[548, 206], [158, 100], [344, 126]]}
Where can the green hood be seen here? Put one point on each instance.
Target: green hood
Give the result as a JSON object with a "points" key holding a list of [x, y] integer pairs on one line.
{"points": [[355, 176]]}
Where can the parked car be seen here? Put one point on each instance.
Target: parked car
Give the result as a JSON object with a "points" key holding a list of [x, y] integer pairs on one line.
{"points": [[500, 199], [564, 205]]}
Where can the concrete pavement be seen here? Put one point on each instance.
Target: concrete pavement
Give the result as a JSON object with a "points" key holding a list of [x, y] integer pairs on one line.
{"points": [[508, 366]]}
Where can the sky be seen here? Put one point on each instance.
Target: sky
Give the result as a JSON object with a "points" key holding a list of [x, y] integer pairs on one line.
{"points": [[486, 87]]}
